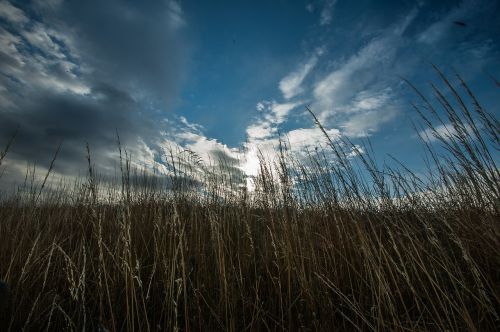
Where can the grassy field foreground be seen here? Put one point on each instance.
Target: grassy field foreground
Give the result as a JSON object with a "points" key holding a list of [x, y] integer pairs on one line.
{"points": [[335, 242]]}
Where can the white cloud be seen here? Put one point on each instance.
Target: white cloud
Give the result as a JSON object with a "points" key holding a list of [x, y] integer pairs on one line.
{"points": [[401, 27], [327, 12], [192, 126], [42, 38], [366, 123], [272, 115], [260, 106], [350, 91], [340, 85], [369, 100], [8, 43], [190, 146], [440, 29], [369, 103], [281, 111], [446, 131], [263, 138], [12, 13], [49, 67], [260, 130], [175, 14], [358, 114], [206, 147], [368, 65], [299, 141], [290, 85], [355, 94], [309, 138], [183, 135], [143, 157]]}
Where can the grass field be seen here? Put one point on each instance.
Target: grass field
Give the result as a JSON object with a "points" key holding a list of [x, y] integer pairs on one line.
{"points": [[333, 242]]}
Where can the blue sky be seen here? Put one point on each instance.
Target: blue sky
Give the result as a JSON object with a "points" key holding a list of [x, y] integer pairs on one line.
{"points": [[227, 77]]}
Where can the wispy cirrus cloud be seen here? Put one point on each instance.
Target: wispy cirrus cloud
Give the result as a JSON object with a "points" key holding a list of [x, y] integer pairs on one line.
{"points": [[326, 14], [444, 25], [290, 85], [367, 123], [361, 94], [443, 131], [355, 96]]}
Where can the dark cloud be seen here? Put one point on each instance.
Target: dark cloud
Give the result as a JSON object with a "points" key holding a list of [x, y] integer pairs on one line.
{"points": [[128, 43], [79, 71], [45, 120]]}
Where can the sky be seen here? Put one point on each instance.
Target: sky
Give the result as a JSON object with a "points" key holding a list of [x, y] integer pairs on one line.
{"points": [[226, 79]]}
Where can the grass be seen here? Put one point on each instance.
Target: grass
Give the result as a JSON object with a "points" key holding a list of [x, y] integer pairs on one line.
{"points": [[334, 242]]}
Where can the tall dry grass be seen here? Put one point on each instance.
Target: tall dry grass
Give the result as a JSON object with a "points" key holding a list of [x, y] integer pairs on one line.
{"points": [[335, 242]]}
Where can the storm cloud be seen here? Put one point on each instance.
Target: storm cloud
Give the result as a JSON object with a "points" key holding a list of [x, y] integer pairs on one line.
{"points": [[76, 72]]}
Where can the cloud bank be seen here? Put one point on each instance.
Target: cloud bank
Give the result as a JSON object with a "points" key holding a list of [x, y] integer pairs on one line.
{"points": [[79, 72]]}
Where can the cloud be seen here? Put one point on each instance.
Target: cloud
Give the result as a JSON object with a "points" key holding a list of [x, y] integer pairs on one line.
{"points": [[48, 119], [360, 93], [200, 155], [78, 72], [272, 115], [309, 138], [339, 86], [46, 67], [205, 147], [184, 135], [263, 137], [299, 142], [290, 85], [355, 96], [243, 163], [353, 100], [327, 12], [12, 13], [69, 81], [439, 29], [136, 45], [445, 131], [474, 45], [176, 16], [260, 130], [367, 100], [366, 123], [281, 111]]}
